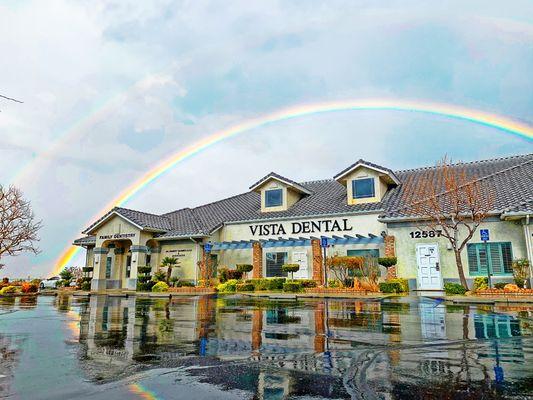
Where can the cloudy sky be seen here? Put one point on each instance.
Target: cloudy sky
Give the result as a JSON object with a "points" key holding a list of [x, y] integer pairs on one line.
{"points": [[110, 88]]}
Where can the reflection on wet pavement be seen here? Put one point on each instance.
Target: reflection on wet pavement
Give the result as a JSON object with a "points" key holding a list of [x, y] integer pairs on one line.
{"points": [[235, 347]]}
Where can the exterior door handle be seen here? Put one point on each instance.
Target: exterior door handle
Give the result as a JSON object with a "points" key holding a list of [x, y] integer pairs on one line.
{"points": [[437, 267]]}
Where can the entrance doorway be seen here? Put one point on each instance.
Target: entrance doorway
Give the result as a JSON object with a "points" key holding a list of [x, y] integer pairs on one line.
{"points": [[429, 274]]}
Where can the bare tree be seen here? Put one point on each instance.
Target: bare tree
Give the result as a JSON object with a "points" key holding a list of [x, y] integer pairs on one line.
{"points": [[18, 228], [452, 203]]}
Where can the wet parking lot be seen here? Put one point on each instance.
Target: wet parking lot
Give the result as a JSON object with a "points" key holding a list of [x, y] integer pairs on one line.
{"points": [[206, 347]]}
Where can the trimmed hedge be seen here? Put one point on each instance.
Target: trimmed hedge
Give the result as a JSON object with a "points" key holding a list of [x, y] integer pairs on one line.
{"points": [[387, 261], [454, 288], [404, 284], [244, 287], [267, 283], [229, 286], [292, 286], [308, 283], [145, 286], [144, 270], [244, 268], [390, 287], [500, 285]]}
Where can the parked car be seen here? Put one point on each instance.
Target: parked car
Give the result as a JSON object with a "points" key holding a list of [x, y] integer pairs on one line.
{"points": [[50, 283]]}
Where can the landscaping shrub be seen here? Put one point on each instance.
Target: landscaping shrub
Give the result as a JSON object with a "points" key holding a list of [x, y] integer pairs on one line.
{"points": [[144, 270], [390, 287], [185, 284], [145, 286], [8, 289], [159, 276], [222, 274], [308, 283], [144, 278], [233, 274], [244, 268], [511, 287], [28, 287], [404, 284], [454, 288], [333, 283], [160, 287], [267, 283], [481, 283], [244, 287], [369, 284], [174, 281], [387, 261], [228, 287], [86, 286], [290, 268], [292, 286], [521, 271], [87, 269], [500, 285]]}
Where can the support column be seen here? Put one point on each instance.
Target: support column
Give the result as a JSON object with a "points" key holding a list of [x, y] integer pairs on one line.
{"points": [[257, 260], [390, 251], [257, 329], [98, 282], [317, 261], [204, 267], [138, 259]]}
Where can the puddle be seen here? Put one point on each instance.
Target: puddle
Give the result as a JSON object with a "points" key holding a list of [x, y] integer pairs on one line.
{"points": [[232, 347]]}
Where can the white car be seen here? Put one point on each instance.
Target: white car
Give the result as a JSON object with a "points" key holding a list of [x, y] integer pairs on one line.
{"points": [[50, 283]]}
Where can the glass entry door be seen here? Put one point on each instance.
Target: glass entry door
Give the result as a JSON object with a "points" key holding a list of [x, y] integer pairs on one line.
{"points": [[274, 261]]}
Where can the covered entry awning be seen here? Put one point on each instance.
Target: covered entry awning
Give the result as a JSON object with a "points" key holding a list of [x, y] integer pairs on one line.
{"points": [[297, 242]]}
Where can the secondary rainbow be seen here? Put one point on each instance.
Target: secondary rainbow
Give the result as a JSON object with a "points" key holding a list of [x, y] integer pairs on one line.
{"points": [[499, 122]]}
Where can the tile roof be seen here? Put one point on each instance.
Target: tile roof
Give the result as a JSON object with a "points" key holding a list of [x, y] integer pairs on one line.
{"points": [[292, 183], [510, 179], [85, 240]]}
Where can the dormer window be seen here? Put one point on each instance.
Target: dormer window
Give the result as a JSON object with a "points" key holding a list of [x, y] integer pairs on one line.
{"points": [[273, 197], [363, 188]]}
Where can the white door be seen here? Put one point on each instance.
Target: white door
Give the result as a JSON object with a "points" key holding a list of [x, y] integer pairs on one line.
{"points": [[429, 276], [300, 258]]}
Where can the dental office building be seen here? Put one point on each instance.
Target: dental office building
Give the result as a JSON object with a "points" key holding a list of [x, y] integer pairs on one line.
{"points": [[363, 210]]}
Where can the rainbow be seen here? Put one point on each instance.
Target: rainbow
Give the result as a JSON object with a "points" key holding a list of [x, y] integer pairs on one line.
{"points": [[142, 392], [499, 122]]}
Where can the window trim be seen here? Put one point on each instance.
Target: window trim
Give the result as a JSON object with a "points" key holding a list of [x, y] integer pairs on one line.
{"points": [[354, 196], [267, 205]]}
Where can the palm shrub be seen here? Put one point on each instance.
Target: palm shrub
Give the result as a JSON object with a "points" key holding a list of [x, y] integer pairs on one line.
{"points": [[159, 276], [521, 271], [292, 268], [244, 268], [169, 263], [66, 275]]}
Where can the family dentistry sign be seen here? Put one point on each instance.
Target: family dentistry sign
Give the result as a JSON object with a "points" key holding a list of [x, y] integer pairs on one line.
{"points": [[296, 228]]}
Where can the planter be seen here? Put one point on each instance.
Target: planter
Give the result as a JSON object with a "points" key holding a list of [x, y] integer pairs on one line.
{"points": [[338, 290], [188, 289], [502, 292]]}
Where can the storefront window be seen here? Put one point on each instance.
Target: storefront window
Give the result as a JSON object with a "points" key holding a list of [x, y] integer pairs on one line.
{"points": [[274, 261], [362, 188], [273, 198], [498, 256]]}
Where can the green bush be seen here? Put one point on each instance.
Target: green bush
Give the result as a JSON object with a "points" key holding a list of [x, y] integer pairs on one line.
{"points": [[86, 286], [387, 261], [160, 287], [267, 283], [454, 288], [233, 274], [185, 284], [8, 289], [144, 278], [333, 283], [500, 285], [244, 287], [404, 284], [159, 276], [292, 286], [290, 268], [244, 268], [222, 274], [308, 283], [481, 283], [228, 287], [390, 287], [144, 270], [145, 286]]}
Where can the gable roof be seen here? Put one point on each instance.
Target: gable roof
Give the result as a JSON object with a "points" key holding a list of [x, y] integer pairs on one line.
{"points": [[295, 185], [509, 178], [367, 164], [140, 219]]}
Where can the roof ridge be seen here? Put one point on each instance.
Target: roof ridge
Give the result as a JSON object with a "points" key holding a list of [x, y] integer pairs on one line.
{"points": [[467, 162], [175, 211], [142, 212]]}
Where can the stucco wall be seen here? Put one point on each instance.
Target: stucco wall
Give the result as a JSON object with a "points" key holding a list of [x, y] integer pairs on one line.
{"points": [[187, 254], [500, 231]]}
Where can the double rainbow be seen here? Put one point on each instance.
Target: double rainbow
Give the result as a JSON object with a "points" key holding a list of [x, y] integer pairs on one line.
{"points": [[499, 122]]}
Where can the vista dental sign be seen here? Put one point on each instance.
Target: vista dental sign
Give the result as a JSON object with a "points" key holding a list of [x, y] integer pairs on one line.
{"points": [[299, 228]]}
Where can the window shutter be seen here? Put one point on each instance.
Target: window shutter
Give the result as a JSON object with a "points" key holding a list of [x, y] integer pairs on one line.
{"points": [[473, 265], [507, 257], [496, 258]]}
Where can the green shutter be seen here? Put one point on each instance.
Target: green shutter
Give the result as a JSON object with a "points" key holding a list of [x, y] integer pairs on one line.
{"points": [[473, 264], [499, 257]]}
